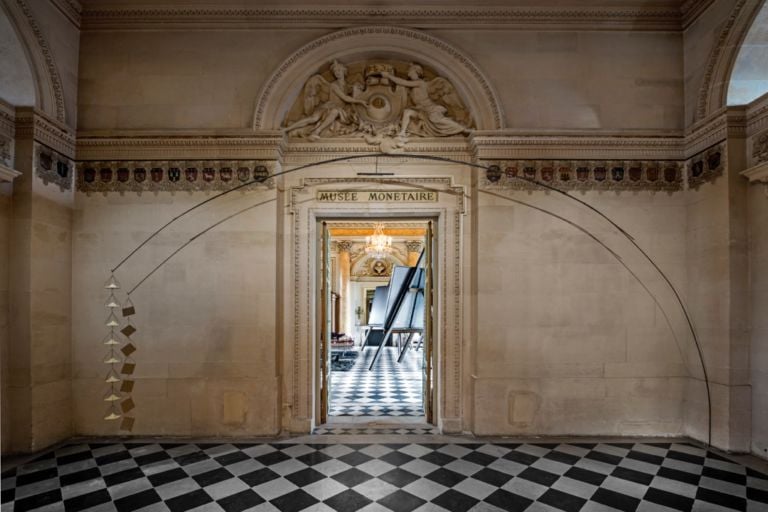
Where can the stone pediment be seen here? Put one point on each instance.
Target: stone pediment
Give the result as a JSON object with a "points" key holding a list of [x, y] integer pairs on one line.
{"points": [[385, 102]]}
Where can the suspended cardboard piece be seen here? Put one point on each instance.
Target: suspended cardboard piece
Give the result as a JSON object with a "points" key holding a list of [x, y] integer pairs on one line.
{"points": [[128, 330], [112, 398], [127, 423], [112, 301], [128, 308], [127, 405], [128, 368], [112, 283], [128, 349], [111, 377], [111, 339], [111, 416], [112, 321], [111, 360], [127, 386]]}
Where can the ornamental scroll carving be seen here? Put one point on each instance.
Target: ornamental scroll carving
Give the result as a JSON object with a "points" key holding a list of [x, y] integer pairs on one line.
{"points": [[386, 103]]}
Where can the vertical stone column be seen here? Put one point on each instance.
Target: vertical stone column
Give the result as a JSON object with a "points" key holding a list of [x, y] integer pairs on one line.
{"points": [[345, 268], [414, 250]]}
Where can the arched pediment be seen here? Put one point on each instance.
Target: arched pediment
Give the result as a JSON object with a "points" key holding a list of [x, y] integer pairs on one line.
{"points": [[371, 44]]}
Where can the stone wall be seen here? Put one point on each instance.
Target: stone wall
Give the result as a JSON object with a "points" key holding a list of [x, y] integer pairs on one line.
{"points": [[5, 217], [758, 220], [568, 341], [206, 362]]}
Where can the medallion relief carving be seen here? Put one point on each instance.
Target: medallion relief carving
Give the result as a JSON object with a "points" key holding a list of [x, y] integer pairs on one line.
{"points": [[386, 103]]}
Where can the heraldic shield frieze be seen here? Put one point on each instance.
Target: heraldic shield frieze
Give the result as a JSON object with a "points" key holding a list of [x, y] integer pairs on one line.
{"points": [[386, 103]]}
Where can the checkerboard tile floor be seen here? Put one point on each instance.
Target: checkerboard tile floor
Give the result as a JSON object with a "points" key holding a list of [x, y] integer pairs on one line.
{"points": [[390, 389], [398, 477]]}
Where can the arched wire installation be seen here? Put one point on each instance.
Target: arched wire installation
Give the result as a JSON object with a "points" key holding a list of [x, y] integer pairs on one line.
{"points": [[476, 166]]}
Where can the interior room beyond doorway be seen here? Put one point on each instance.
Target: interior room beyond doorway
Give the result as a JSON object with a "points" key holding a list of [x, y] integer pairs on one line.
{"points": [[370, 381]]}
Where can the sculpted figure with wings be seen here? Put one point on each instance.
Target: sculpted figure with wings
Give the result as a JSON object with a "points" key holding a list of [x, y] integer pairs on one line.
{"points": [[425, 106], [326, 103]]}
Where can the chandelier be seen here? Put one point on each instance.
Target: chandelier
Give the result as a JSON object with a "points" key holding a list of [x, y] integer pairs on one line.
{"points": [[378, 245]]}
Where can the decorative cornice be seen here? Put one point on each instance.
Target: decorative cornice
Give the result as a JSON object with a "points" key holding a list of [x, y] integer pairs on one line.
{"points": [[578, 147], [757, 115], [71, 9], [34, 124], [548, 17], [583, 175], [53, 72], [172, 176], [266, 145], [8, 174], [757, 174], [692, 9]]}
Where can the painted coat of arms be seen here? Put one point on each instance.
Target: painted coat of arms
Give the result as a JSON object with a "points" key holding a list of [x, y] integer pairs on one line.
{"points": [[378, 105]]}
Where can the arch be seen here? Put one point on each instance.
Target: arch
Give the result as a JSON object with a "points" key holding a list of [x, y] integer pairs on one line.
{"points": [[749, 77], [49, 93], [280, 91], [714, 87], [17, 85]]}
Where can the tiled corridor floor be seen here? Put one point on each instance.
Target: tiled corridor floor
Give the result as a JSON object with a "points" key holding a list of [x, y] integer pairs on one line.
{"points": [[400, 477], [390, 389]]}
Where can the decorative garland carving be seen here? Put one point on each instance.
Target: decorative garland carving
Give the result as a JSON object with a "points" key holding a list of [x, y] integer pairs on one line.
{"points": [[53, 167], [706, 166], [171, 176], [705, 91], [584, 175], [53, 72]]}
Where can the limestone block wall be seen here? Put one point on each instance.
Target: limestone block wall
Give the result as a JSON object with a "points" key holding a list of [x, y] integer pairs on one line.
{"points": [[549, 80], [758, 220], [206, 362], [568, 342], [5, 217]]}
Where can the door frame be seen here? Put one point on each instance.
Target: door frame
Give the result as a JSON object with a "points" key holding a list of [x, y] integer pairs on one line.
{"points": [[298, 293], [322, 337]]}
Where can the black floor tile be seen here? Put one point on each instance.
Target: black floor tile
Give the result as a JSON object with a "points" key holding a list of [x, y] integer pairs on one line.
{"points": [[722, 499], [540, 477], [259, 477], [305, 477], [191, 458], [150, 458], [758, 495], [726, 476], [615, 500], [294, 501], [240, 501], [79, 476], [123, 476], [396, 458], [685, 457], [74, 457], [85, 501], [565, 458], [585, 475], [669, 499], [38, 500], [562, 501], [188, 501], [232, 458], [521, 458], [352, 477], [212, 477], [165, 477], [481, 459], [492, 477], [398, 477], [455, 501], [347, 501], [508, 501], [37, 476], [137, 501], [680, 476], [446, 477], [604, 457], [633, 476], [401, 501]]}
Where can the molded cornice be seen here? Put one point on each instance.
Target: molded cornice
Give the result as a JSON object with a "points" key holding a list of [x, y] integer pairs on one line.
{"points": [[662, 16], [33, 123], [72, 9], [692, 9]]}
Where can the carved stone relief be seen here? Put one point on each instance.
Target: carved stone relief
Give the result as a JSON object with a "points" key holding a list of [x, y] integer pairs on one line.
{"points": [[706, 166], [171, 176], [384, 102], [6, 151], [760, 148], [53, 167], [584, 175]]}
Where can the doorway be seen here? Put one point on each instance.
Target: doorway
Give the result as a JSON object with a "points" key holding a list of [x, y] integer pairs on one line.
{"points": [[375, 347]]}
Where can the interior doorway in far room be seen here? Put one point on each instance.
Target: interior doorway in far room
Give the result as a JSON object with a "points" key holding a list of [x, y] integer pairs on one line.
{"points": [[377, 363]]}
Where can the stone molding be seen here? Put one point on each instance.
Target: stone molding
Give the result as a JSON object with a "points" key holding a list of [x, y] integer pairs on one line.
{"points": [[31, 123], [53, 167], [282, 88], [692, 9], [300, 330], [180, 146], [50, 92], [757, 174], [583, 175], [553, 17], [714, 85], [757, 115], [72, 9], [8, 174], [706, 166], [173, 176]]}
